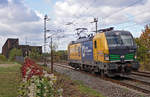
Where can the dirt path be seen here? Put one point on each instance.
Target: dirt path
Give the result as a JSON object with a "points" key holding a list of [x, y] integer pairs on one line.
{"points": [[7, 65]]}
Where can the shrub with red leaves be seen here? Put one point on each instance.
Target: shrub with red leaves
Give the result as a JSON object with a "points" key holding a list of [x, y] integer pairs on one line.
{"points": [[30, 68]]}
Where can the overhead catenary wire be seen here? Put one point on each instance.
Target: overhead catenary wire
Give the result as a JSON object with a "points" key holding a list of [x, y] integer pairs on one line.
{"points": [[85, 9], [136, 24], [132, 4], [135, 15], [116, 12]]}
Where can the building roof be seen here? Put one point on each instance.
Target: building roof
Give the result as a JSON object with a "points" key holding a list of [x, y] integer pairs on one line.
{"points": [[11, 39]]}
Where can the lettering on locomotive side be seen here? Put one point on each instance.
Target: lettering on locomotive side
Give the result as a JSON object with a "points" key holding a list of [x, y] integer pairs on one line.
{"points": [[85, 50]]}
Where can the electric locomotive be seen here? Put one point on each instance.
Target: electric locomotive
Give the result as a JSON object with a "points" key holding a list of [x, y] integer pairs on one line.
{"points": [[109, 52]]}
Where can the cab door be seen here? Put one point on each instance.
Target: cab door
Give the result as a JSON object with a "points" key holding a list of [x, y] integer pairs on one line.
{"points": [[98, 48], [95, 50], [100, 51]]}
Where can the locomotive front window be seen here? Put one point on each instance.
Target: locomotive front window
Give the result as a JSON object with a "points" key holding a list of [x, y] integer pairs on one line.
{"points": [[113, 41], [119, 40], [127, 40]]}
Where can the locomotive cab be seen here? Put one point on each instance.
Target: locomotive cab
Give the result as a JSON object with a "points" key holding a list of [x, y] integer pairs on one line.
{"points": [[121, 46], [116, 52]]}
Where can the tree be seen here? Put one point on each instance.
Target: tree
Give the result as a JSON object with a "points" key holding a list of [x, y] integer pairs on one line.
{"points": [[34, 54], [143, 43], [62, 54], [14, 52], [145, 37], [54, 46]]}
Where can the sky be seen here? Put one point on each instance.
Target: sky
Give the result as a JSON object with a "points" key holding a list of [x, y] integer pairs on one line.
{"points": [[23, 19]]}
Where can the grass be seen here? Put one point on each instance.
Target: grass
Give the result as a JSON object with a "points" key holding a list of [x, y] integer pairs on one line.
{"points": [[9, 80], [86, 90]]}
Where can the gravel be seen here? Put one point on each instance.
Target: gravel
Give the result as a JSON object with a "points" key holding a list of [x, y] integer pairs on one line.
{"points": [[138, 84], [106, 88]]}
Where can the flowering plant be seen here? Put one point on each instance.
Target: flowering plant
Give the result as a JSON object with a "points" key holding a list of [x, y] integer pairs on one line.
{"points": [[30, 68], [37, 82]]}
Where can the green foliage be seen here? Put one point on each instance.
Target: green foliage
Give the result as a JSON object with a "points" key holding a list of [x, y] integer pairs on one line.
{"points": [[60, 55], [142, 50], [143, 53], [34, 54], [14, 52], [143, 56], [54, 46], [3, 58]]}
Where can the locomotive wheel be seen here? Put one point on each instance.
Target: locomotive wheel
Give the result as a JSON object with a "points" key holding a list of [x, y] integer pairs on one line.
{"points": [[80, 68], [75, 68]]}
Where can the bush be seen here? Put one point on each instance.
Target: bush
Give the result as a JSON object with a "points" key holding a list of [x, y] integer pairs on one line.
{"points": [[34, 54], [15, 52], [3, 58]]}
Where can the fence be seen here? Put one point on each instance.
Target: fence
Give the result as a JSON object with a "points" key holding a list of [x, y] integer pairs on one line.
{"points": [[20, 59]]}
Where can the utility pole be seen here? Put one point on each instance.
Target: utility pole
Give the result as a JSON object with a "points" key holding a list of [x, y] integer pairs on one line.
{"points": [[95, 21], [51, 55], [51, 46], [26, 53], [27, 47], [45, 19]]}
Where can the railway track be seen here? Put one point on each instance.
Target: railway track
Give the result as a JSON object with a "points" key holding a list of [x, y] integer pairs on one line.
{"points": [[128, 85], [116, 81], [144, 74], [139, 81]]}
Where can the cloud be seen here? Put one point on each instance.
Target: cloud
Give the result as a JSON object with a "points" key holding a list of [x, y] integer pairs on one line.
{"points": [[108, 11], [19, 21], [111, 3], [48, 1], [18, 12], [3, 3], [99, 8], [120, 13]]}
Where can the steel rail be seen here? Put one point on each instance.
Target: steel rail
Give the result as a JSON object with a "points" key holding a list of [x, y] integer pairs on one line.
{"points": [[128, 85], [139, 81], [141, 74], [144, 72]]}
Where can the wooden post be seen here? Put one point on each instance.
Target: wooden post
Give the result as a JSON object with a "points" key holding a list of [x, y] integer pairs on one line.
{"points": [[51, 55]]}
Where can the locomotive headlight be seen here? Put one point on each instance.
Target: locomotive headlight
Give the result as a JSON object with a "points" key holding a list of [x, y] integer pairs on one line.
{"points": [[135, 57], [122, 56], [106, 57]]}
